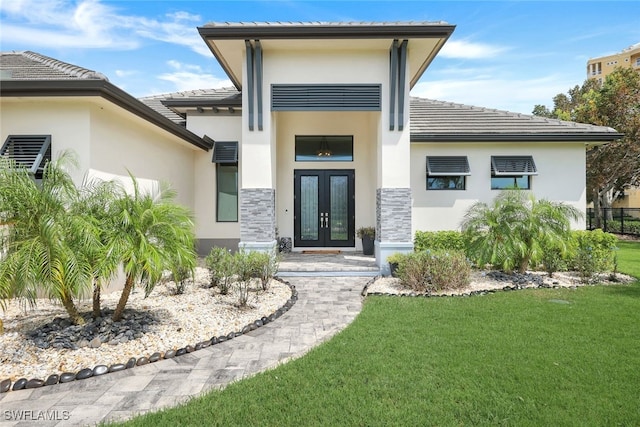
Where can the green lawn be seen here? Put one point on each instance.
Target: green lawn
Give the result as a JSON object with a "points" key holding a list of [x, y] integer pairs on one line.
{"points": [[533, 357]]}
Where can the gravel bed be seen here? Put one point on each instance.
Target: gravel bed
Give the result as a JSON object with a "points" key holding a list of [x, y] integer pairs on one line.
{"points": [[39, 342]]}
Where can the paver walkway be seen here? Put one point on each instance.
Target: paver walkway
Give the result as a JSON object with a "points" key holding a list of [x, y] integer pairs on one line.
{"points": [[325, 306]]}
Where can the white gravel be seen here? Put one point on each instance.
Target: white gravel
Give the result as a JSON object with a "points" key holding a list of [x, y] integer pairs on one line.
{"points": [[195, 316]]}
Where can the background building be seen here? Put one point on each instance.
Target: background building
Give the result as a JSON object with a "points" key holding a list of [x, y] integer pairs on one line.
{"points": [[599, 68]]}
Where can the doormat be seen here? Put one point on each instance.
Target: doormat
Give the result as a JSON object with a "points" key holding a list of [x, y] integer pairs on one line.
{"points": [[321, 251]]}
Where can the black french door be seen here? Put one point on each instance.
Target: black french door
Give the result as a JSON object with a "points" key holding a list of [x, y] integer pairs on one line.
{"points": [[324, 208]]}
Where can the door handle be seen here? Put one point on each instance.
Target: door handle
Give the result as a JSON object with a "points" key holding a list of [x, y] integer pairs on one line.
{"points": [[326, 220]]}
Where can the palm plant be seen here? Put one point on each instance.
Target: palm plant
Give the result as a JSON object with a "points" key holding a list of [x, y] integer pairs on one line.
{"points": [[94, 204], [149, 235], [512, 231], [45, 241]]}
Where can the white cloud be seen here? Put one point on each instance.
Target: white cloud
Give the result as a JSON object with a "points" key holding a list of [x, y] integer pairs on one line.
{"points": [[126, 73], [462, 49], [92, 24], [516, 95], [190, 77]]}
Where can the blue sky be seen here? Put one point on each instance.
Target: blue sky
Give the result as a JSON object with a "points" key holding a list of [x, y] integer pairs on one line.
{"points": [[508, 55]]}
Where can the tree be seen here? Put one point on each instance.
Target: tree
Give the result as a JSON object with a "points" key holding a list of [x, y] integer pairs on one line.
{"points": [[512, 232], [614, 166], [149, 235], [46, 243]]}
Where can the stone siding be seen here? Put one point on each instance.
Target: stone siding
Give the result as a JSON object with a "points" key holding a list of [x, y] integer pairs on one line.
{"points": [[257, 214], [393, 215]]}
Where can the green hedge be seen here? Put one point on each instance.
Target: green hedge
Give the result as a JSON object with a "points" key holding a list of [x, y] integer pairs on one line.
{"points": [[451, 240]]}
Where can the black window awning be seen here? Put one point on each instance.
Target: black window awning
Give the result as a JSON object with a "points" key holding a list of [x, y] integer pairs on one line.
{"points": [[225, 152], [448, 166], [513, 165], [29, 151]]}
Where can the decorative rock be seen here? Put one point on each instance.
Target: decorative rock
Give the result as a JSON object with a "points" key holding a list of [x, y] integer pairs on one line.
{"points": [[100, 370], [117, 367], [259, 322], [131, 363], [66, 377], [190, 349], [34, 383], [222, 339], [95, 343], [84, 374], [155, 357], [246, 329], [83, 343], [231, 336], [169, 354], [265, 320], [181, 351], [5, 385], [20, 384], [142, 361]]}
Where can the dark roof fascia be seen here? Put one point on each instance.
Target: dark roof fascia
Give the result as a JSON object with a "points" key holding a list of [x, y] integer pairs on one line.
{"points": [[106, 90], [204, 103], [328, 31], [585, 137]]}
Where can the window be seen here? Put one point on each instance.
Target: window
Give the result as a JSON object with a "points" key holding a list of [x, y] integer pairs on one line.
{"points": [[447, 172], [324, 148], [512, 172], [225, 155], [30, 151]]}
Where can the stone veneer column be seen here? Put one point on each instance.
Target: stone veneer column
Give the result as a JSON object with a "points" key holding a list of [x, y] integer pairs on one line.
{"points": [[257, 219], [393, 223]]}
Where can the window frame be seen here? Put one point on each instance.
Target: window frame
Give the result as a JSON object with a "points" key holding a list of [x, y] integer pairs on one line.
{"points": [[441, 168], [300, 139], [225, 155], [515, 167]]}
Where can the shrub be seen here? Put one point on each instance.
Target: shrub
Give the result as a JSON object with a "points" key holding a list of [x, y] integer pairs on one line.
{"points": [[509, 233], [436, 270], [266, 267], [180, 277], [219, 262], [594, 253], [245, 267], [424, 240]]}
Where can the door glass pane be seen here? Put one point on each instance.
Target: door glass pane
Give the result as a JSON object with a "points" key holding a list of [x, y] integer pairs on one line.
{"points": [[309, 208], [339, 218], [227, 193]]}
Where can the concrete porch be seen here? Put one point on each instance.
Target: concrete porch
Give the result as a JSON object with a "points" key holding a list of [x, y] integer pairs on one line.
{"points": [[344, 264]]}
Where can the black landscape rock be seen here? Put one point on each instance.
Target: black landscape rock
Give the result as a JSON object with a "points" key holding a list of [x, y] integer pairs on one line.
{"points": [[34, 383], [142, 361], [84, 374], [117, 367], [20, 384], [100, 370], [190, 349], [52, 379], [5, 385], [155, 357], [66, 377], [181, 351], [131, 363], [169, 354]]}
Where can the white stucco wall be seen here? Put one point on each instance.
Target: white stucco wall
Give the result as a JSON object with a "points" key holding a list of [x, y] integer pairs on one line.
{"points": [[67, 120], [219, 128], [561, 178], [144, 150]]}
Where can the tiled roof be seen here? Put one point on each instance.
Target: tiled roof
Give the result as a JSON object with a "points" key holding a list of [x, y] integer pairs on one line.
{"points": [[228, 95], [26, 65], [323, 24], [446, 121], [437, 121]]}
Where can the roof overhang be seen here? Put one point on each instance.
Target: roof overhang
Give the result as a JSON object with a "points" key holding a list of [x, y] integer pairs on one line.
{"points": [[227, 41], [584, 137], [103, 89]]}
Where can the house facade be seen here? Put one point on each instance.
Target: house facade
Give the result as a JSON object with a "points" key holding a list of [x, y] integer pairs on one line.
{"points": [[318, 137]]}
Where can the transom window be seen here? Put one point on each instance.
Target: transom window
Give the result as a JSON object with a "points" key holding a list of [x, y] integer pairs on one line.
{"points": [[512, 172], [447, 172], [324, 148]]}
